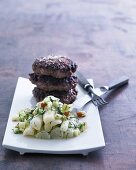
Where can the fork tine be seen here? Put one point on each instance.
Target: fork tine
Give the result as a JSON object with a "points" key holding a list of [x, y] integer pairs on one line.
{"points": [[104, 101], [99, 101], [95, 103]]}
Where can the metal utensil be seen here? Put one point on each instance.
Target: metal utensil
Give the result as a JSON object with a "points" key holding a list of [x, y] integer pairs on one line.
{"points": [[97, 92], [83, 82]]}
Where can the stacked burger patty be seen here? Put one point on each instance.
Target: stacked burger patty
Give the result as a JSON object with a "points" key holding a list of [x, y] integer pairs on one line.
{"points": [[54, 75]]}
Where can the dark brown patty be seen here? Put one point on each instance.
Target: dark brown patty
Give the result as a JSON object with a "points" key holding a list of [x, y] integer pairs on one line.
{"points": [[65, 97], [58, 67], [49, 83]]}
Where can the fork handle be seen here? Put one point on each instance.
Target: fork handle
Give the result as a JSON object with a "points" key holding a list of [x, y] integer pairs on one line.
{"points": [[88, 88], [119, 82]]}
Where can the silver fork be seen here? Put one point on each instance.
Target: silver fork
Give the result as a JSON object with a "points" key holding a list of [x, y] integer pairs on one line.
{"points": [[83, 82], [97, 100]]}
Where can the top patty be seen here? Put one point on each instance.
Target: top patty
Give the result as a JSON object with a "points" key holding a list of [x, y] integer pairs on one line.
{"points": [[54, 66]]}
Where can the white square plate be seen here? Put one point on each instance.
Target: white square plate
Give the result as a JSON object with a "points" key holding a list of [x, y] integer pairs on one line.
{"points": [[90, 140]]}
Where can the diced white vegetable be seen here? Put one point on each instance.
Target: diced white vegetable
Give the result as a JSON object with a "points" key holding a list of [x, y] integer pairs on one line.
{"points": [[49, 105], [64, 126], [56, 133], [48, 116], [76, 132], [38, 105], [55, 103], [46, 100], [83, 127], [21, 125], [53, 98], [27, 110], [26, 123], [35, 111], [56, 122], [16, 130], [58, 116], [29, 131], [15, 118], [70, 133], [43, 135], [22, 113], [21, 130], [66, 108], [64, 135], [36, 122], [47, 127]]}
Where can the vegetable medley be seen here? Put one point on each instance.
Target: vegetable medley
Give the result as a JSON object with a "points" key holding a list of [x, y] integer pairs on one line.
{"points": [[50, 119]]}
